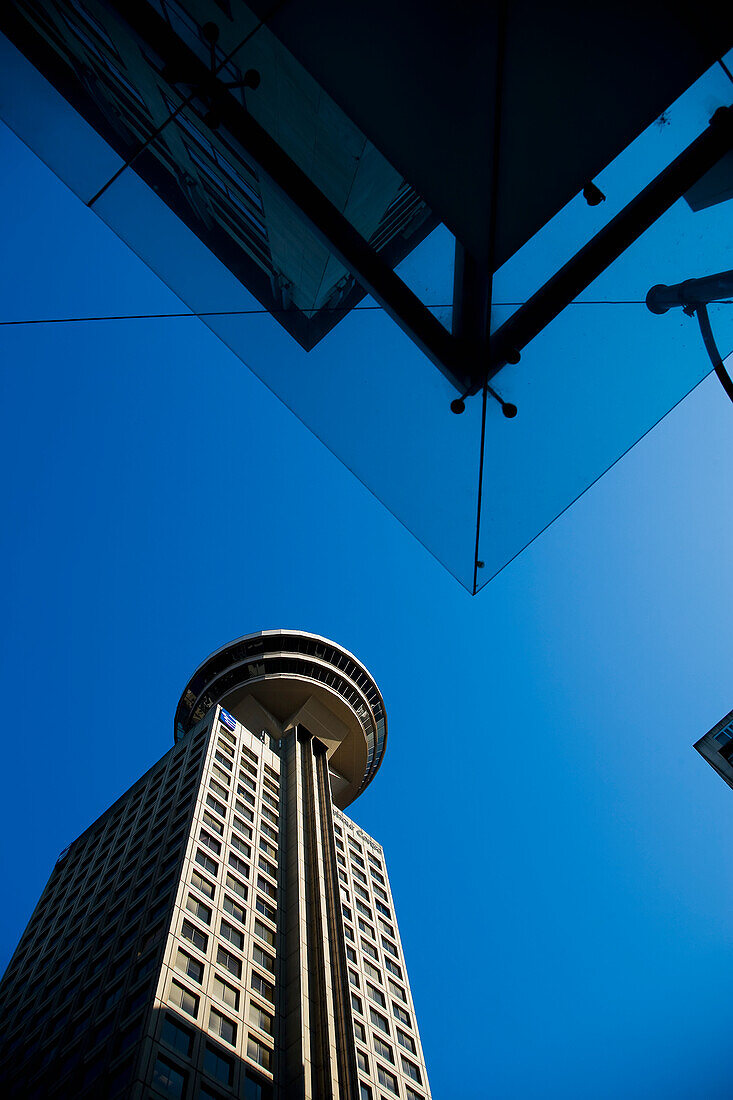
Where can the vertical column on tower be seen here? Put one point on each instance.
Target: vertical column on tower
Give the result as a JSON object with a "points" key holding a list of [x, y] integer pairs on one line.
{"points": [[316, 1048]]}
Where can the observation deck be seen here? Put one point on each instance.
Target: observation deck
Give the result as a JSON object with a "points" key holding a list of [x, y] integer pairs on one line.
{"points": [[297, 677]]}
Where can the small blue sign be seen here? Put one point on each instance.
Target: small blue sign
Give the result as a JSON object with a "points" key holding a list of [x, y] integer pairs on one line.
{"points": [[226, 718]]}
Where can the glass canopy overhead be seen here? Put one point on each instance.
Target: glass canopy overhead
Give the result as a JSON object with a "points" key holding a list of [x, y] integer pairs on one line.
{"points": [[371, 211]]}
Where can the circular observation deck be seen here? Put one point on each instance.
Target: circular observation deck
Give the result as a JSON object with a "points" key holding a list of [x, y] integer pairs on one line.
{"points": [[284, 669]]}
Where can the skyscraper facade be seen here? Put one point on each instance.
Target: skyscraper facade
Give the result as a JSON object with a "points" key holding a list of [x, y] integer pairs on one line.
{"points": [[717, 748], [224, 929]]}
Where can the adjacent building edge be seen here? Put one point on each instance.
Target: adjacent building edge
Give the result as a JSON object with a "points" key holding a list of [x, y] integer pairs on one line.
{"points": [[717, 748], [223, 930]]}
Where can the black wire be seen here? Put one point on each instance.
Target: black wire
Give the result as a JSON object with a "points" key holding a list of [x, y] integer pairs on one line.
{"points": [[274, 312], [262, 311], [712, 349], [501, 36]]}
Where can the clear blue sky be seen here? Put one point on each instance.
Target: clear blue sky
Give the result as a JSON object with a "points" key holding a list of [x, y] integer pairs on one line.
{"points": [[558, 852]]}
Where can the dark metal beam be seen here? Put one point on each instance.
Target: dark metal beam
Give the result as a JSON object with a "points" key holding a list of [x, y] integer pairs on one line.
{"points": [[471, 291], [607, 245], [324, 220]]}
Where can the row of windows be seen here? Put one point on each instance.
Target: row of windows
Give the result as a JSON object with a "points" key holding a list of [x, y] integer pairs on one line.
{"points": [[386, 1051], [86, 948], [78, 866], [172, 1080], [83, 953], [387, 1080]]}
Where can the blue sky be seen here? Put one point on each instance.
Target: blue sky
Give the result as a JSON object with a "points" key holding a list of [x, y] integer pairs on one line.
{"points": [[556, 848]]}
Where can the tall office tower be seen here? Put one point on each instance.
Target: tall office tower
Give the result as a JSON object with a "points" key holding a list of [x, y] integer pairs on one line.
{"points": [[717, 748], [224, 930]]}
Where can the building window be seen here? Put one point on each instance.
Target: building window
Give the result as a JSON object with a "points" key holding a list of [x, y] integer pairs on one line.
{"points": [[168, 1079], [237, 886], [221, 791], [243, 829], [259, 1053], [396, 990], [406, 1041], [387, 1079], [376, 995], [194, 935], [202, 884], [372, 971], [393, 967], [264, 933], [218, 1065], [177, 1036], [263, 958], [211, 822], [362, 1060], [365, 1093], [269, 849], [241, 846], [267, 910], [260, 1019], [189, 966], [226, 993], [229, 962], [401, 1015], [233, 909], [210, 842], [263, 987], [112, 998], [207, 862], [222, 1026], [360, 1031], [412, 1095], [265, 886], [184, 999], [269, 868], [198, 909], [245, 794], [228, 932], [383, 1049], [239, 865], [205, 1093], [379, 1021], [356, 1004], [411, 1070], [246, 814], [217, 806]]}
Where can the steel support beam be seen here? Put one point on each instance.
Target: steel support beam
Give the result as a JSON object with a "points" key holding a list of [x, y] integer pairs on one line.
{"points": [[459, 356], [607, 245], [318, 213]]}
